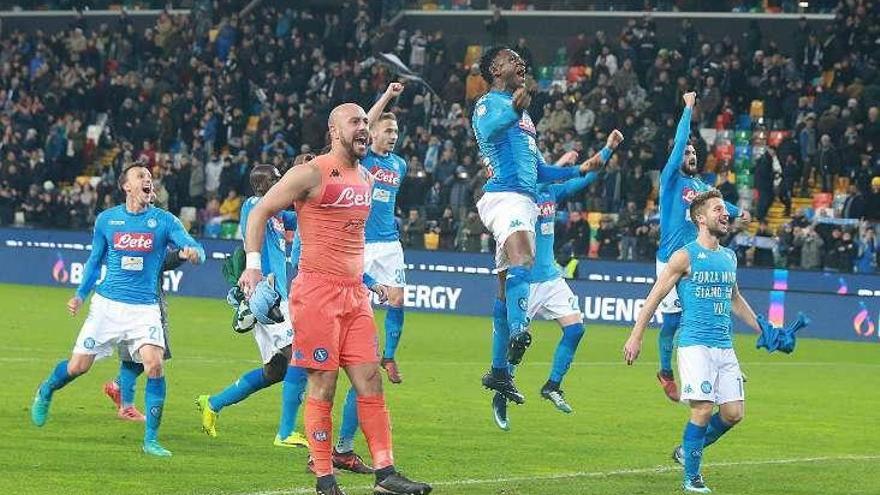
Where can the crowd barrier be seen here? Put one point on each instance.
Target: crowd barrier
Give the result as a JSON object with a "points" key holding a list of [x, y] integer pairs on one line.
{"points": [[841, 306]]}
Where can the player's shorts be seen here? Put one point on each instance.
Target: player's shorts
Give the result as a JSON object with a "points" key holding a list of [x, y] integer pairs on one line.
{"points": [[334, 322], [125, 353], [272, 338], [384, 262], [709, 374], [671, 303], [113, 324], [552, 300], [504, 213]]}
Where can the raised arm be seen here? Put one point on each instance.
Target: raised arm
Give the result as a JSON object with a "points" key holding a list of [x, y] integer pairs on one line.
{"points": [[682, 133], [678, 266], [743, 311], [494, 115], [391, 92], [573, 186], [190, 249], [550, 173], [297, 184]]}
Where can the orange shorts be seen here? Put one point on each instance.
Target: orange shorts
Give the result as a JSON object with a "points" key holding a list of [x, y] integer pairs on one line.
{"points": [[333, 322]]}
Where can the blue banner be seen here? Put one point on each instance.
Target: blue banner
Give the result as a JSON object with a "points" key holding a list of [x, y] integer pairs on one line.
{"points": [[842, 306]]}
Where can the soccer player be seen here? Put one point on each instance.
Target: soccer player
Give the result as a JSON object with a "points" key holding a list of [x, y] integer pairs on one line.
{"points": [[121, 389], [383, 254], [550, 297], [131, 240], [679, 185], [273, 340], [705, 273], [506, 137], [330, 306]]}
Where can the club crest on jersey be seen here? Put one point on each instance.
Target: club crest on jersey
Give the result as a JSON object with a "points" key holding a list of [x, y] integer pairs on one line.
{"points": [[152, 223], [688, 195], [133, 241], [547, 209], [526, 124], [346, 196], [384, 176]]}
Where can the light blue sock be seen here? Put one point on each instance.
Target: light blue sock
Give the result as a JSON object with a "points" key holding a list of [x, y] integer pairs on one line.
{"points": [[292, 392], [516, 290], [128, 373], [665, 339], [500, 335], [717, 428], [58, 379], [571, 337], [393, 329], [247, 384], [349, 423], [692, 443], [155, 401]]}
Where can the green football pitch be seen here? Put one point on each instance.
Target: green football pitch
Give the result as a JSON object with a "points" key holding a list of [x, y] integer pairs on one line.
{"points": [[812, 423]]}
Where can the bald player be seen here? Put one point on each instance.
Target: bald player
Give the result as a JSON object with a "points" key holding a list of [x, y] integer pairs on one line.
{"points": [[329, 303]]}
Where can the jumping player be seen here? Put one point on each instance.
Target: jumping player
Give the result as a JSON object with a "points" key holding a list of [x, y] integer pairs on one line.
{"points": [[330, 306], [679, 185], [131, 240]]}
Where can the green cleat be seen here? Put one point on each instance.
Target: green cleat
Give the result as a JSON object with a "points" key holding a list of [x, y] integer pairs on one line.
{"points": [[152, 447], [296, 439], [40, 409], [557, 397], [209, 417], [499, 411], [695, 485]]}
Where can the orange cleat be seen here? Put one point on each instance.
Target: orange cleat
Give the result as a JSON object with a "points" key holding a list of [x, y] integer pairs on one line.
{"points": [[390, 367], [111, 390], [130, 413], [667, 381]]}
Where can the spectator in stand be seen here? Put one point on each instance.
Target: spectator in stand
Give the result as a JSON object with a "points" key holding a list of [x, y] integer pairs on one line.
{"points": [[763, 248], [230, 208], [866, 261], [471, 233], [578, 233], [872, 204], [811, 248], [497, 27], [808, 140], [448, 227], [413, 230], [629, 222], [827, 163], [638, 188], [608, 238], [765, 172]]}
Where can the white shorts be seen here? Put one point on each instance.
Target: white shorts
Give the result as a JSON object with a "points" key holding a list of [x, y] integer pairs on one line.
{"points": [[709, 374], [670, 303], [552, 300], [504, 213], [384, 262], [113, 324], [272, 338]]}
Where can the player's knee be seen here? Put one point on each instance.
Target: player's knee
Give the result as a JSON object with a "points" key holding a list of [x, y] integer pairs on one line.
{"points": [[701, 412], [274, 370], [322, 385], [76, 367], [733, 417], [395, 297], [154, 368]]}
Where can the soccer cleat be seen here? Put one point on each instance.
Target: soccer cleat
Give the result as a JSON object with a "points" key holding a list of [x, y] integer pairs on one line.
{"points": [[517, 347], [390, 367], [111, 390], [152, 447], [333, 490], [503, 386], [296, 439], [695, 485], [398, 484], [499, 410], [40, 409], [349, 461], [209, 417], [667, 381], [678, 455], [130, 413], [557, 397]]}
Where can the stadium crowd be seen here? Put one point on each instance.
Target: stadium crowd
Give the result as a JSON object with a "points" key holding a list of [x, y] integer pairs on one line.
{"points": [[203, 98]]}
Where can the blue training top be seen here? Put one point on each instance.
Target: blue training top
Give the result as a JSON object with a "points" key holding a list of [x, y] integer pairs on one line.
{"points": [[706, 294], [677, 191], [132, 246], [545, 267], [507, 141], [388, 172], [273, 255]]}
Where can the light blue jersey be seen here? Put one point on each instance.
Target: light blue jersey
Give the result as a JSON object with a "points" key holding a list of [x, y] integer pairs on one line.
{"points": [[273, 255], [706, 294], [295, 250], [507, 141], [388, 172], [132, 246], [545, 267], [677, 192]]}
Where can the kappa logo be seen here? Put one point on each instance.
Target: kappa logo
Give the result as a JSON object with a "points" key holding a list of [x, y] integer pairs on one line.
{"points": [[516, 223], [335, 173], [701, 256], [688, 389]]}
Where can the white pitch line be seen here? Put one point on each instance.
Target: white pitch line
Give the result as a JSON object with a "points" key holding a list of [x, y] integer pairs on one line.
{"points": [[603, 474]]}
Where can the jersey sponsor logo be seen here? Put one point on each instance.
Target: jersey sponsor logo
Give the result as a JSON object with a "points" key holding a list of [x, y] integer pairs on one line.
{"points": [[133, 241], [547, 228], [526, 124], [116, 222], [132, 263], [688, 195], [547, 209], [382, 195], [277, 224], [346, 196], [384, 176]]}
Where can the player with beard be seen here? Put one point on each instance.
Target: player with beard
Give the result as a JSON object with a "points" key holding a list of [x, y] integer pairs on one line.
{"points": [[131, 240], [507, 140], [705, 273], [329, 304], [679, 185]]}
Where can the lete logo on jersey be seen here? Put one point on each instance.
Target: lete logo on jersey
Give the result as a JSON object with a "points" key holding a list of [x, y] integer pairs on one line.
{"points": [[526, 124], [346, 196], [547, 209], [688, 195], [133, 241], [384, 176]]}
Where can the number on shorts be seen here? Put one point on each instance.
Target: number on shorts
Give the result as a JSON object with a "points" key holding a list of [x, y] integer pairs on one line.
{"points": [[574, 302], [399, 276], [154, 333], [739, 381]]}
